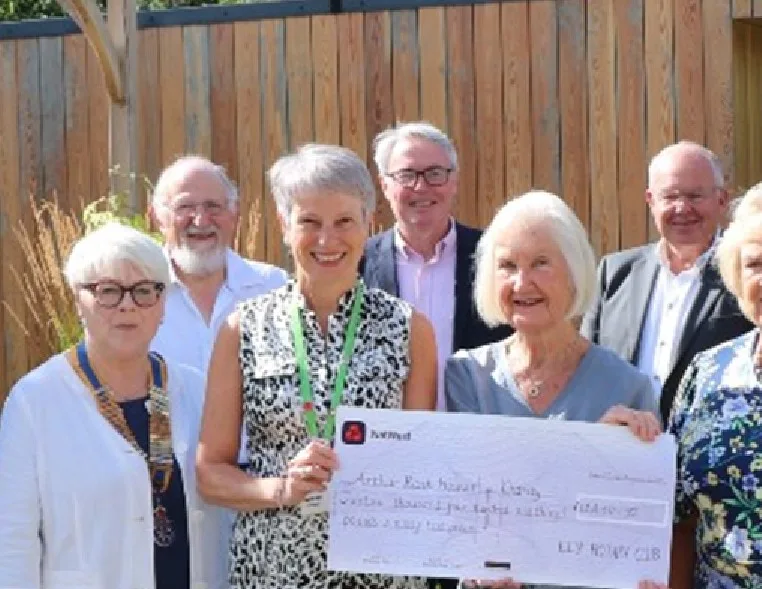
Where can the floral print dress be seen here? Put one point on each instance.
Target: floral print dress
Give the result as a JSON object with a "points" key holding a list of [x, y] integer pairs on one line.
{"points": [[717, 421]]}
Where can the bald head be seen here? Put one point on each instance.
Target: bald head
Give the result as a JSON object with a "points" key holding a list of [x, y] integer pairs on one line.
{"points": [[185, 169], [686, 155]]}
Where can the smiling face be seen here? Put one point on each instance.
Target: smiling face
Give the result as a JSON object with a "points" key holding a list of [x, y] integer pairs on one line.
{"points": [[326, 233], [125, 331], [196, 220], [421, 208], [686, 205], [533, 280]]}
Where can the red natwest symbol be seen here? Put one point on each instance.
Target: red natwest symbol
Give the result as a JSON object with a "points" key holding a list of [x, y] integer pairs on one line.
{"points": [[353, 432]]}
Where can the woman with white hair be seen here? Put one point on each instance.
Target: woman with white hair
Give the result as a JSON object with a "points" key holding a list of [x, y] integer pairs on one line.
{"points": [[97, 444], [286, 360], [535, 270], [717, 421]]}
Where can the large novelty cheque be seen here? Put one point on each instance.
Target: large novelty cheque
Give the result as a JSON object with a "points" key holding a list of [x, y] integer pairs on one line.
{"points": [[490, 497]]}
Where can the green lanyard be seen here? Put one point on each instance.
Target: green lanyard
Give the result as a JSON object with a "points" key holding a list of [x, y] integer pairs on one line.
{"points": [[308, 405]]}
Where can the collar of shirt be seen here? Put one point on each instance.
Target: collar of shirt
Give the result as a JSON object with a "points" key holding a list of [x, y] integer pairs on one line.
{"points": [[445, 246], [238, 275], [698, 265]]}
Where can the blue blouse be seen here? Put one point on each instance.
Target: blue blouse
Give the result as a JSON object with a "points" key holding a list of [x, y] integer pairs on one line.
{"points": [[717, 421], [171, 563]]}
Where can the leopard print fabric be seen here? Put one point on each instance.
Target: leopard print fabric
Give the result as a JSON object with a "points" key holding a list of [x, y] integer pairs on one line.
{"points": [[282, 548]]}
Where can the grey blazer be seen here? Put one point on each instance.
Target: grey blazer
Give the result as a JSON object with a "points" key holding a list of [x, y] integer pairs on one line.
{"points": [[625, 282]]}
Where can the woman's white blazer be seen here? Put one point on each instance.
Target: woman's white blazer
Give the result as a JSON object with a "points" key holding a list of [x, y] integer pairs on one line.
{"points": [[75, 498]]}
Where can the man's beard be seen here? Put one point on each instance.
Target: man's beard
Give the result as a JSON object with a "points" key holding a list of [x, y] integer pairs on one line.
{"points": [[198, 263]]}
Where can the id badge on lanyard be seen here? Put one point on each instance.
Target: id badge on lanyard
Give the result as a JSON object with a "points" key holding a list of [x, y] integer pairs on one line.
{"points": [[317, 502]]}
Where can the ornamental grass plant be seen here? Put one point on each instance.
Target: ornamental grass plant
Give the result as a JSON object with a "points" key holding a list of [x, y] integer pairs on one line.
{"points": [[43, 309]]}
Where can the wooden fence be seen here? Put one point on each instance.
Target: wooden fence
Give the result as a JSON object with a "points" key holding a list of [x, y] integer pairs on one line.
{"points": [[573, 96]]}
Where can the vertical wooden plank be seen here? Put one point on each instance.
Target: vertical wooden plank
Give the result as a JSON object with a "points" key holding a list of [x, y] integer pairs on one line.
{"points": [[604, 227], [198, 120], [99, 102], [460, 107], [149, 108], [572, 91], [10, 209], [249, 134], [517, 105], [77, 139], [30, 118], [274, 122], [753, 102], [660, 79], [433, 70], [171, 70], [53, 117], [718, 59], [405, 71], [223, 98], [543, 21], [489, 111], [742, 8], [301, 128], [378, 96], [631, 122], [330, 118], [30, 179], [689, 70], [741, 94], [352, 84]]}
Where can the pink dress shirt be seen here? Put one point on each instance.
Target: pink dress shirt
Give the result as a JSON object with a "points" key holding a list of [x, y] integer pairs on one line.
{"points": [[429, 285]]}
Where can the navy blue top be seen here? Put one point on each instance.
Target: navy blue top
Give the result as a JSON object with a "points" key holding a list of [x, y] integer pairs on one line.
{"points": [[171, 564]]}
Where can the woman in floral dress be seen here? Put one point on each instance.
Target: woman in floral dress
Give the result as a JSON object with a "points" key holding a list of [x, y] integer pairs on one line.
{"points": [[717, 420]]}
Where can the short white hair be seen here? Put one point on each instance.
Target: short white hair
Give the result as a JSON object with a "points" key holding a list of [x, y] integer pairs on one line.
{"points": [[316, 168], [749, 204], [564, 228], [383, 144], [109, 249], [668, 152], [745, 227], [188, 163]]}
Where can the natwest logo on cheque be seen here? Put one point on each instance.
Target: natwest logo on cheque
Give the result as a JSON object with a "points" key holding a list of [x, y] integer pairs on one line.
{"points": [[356, 432]]}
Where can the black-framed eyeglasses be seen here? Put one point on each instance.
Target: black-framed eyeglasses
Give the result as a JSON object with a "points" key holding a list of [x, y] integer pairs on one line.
{"points": [[433, 176], [110, 294]]}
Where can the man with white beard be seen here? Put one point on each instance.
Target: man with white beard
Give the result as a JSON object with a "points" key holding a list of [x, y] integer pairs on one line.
{"points": [[195, 206]]}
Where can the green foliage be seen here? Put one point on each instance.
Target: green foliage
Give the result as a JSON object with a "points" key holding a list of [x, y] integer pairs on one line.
{"points": [[113, 208], [22, 9], [13, 10]]}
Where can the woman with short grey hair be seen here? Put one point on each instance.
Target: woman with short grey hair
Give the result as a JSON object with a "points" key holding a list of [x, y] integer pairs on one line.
{"points": [[535, 270], [285, 361], [98, 443]]}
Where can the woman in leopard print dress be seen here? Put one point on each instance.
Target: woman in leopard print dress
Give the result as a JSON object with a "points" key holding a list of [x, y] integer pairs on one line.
{"points": [[324, 195]]}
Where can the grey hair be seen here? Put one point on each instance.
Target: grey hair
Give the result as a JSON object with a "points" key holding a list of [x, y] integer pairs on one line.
{"points": [[384, 142], [184, 164], [746, 226], [111, 247], [565, 229], [320, 168], [711, 158]]}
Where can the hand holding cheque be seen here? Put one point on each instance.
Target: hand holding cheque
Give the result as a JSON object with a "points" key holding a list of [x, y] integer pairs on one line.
{"points": [[488, 497], [307, 475]]}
